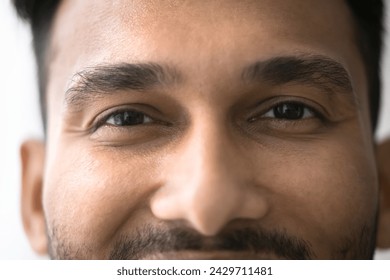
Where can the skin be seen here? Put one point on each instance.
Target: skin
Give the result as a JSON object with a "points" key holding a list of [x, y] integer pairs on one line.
{"points": [[212, 158]]}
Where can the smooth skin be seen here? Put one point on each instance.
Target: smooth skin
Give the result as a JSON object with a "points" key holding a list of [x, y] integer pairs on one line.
{"points": [[207, 151]]}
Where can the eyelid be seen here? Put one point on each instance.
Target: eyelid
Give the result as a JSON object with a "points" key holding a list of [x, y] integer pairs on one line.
{"points": [[147, 119], [305, 107], [102, 119], [319, 111]]}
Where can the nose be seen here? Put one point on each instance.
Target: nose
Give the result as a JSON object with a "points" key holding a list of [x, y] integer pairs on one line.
{"points": [[209, 181]]}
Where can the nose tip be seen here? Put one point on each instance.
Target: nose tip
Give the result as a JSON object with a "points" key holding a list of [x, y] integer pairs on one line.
{"points": [[208, 198], [209, 214]]}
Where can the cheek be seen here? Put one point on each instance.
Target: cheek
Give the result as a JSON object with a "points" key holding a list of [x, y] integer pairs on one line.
{"points": [[325, 190], [89, 195]]}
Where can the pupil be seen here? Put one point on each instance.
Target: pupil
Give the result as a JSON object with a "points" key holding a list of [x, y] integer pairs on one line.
{"points": [[289, 111], [129, 118]]}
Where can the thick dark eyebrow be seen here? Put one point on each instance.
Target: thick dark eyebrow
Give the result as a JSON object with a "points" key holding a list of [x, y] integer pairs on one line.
{"points": [[313, 70], [98, 81]]}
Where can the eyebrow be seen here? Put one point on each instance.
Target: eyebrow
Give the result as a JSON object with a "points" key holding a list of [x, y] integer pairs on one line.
{"points": [[98, 81], [314, 70], [311, 70]]}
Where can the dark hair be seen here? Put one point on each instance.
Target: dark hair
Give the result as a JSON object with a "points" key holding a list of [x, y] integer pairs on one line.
{"points": [[368, 20]]}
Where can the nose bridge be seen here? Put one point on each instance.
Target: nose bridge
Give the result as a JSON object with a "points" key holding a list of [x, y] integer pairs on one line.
{"points": [[214, 177], [207, 182], [210, 152]]}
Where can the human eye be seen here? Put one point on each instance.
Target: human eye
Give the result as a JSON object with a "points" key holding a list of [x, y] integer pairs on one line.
{"points": [[128, 125], [287, 111], [127, 118], [290, 111], [288, 116]]}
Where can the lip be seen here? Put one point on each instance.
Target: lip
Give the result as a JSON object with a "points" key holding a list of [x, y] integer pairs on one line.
{"points": [[210, 255]]}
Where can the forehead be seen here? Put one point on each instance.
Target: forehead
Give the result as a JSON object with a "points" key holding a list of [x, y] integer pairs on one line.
{"points": [[205, 40], [138, 30]]}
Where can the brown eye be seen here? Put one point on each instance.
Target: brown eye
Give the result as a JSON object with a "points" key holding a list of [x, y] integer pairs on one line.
{"points": [[290, 111], [128, 118]]}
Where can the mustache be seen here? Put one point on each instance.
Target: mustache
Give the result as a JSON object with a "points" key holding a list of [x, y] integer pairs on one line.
{"points": [[151, 240]]}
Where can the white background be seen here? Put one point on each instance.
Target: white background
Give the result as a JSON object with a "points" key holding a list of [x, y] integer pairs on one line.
{"points": [[19, 119], [195, 270]]}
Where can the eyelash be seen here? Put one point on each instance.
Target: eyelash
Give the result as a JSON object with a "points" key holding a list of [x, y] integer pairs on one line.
{"points": [[306, 108], [103, 121]]}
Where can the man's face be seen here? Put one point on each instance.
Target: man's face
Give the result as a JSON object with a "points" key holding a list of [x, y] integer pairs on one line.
{"points": [[208, 129]]}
